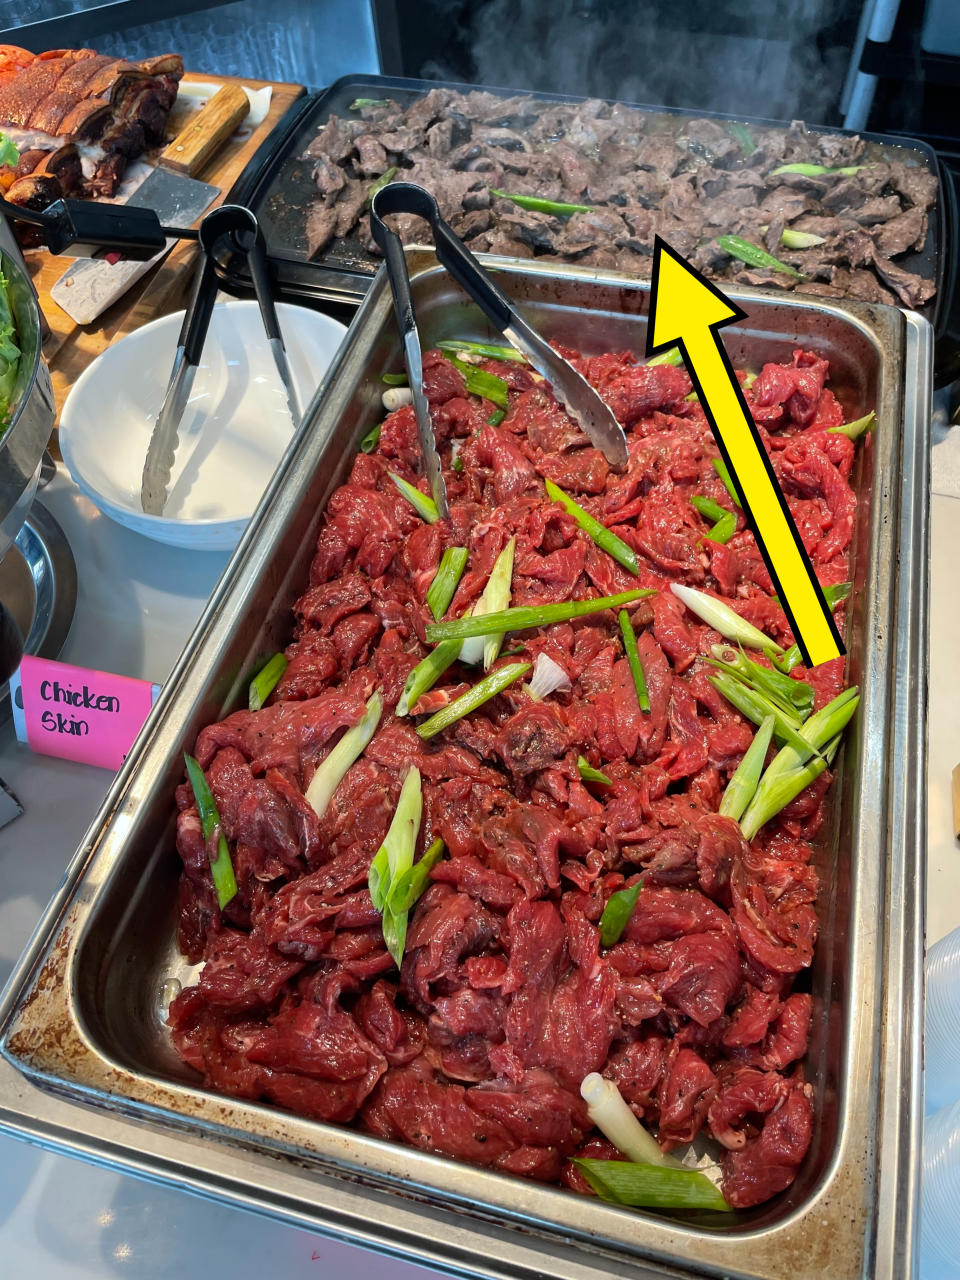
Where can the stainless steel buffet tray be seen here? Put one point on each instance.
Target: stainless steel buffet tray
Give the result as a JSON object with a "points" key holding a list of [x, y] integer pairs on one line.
{"points": [[87, 1066]]}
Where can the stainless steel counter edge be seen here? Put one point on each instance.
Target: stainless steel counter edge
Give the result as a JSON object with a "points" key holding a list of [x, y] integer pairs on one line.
{"points": [[901, 1129]]}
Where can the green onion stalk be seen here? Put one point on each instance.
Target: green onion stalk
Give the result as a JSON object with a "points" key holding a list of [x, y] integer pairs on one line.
{"points": [[793, 696], [853, 430], [422, 503], [446, 580], [589, 774], [633, 659], [481, 383], [221, 867], [617, 912], [489, 350], [648, 1186], [538, 205], [265, 681], [426, 674], [756, 707], [721, 469], [715, 613], [331, 770], [790, 770], [754, 256], [495, 598], [527, 616], [601, 535], [742, 786], [487, 688]]}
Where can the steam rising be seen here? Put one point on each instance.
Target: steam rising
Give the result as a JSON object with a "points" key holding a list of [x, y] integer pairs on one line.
{"points": [[778, 66]]}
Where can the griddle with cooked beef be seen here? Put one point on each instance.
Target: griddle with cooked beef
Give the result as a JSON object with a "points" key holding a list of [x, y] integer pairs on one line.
{"points": [[688, 181], [76, 96], [506, 999]]}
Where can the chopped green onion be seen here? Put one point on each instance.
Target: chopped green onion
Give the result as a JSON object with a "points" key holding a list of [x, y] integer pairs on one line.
{"points": [[331, 770], [488, 349], [589, 774], [265, 681], [633, 659], [791, 239], [548, 677], [496, 418], [538, 205], [756, 707], [384, 180], [723, 530], [409, 887], [742, 786], [787, 661], [457, 464], [794, 696], [720, 467], [741, 134], [393, 860], [650, 1186], [602, 536], [487, 688], [748, 380], [754, 256], [526, 616], [446, 580], [395, 855], [617, 912], [609, 1112], [422, 503], [815, 170], [789, 772], [709, 509], [495, 598], [371, 439], [358, 104], [674, 356], [481, 383], [221, 868], [852, 430], [395, 379], [426, 674], [722, 618]]}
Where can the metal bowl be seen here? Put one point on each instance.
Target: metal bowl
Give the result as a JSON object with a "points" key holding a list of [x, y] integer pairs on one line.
{"points": [[33, 412]]}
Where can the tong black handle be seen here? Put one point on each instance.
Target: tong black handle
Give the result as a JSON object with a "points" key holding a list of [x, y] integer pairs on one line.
{"points": [[407, 197], [391, 247], [196, 318]]}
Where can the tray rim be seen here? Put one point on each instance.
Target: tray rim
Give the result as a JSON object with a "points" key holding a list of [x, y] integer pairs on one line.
{"points": [[339, 285], [113, 807]]}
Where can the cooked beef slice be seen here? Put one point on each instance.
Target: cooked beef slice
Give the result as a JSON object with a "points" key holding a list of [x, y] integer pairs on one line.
{"points": [[687, 180]]}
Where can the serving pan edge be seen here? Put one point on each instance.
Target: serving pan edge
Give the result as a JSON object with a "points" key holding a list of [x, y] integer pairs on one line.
{"points": [[57, 1031]]}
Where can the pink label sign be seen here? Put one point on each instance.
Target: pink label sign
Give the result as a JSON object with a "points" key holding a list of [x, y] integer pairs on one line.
{"points": [[88, 716]]}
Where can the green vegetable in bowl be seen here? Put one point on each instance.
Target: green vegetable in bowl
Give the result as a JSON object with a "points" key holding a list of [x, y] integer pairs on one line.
{"points": [[9, 354]]}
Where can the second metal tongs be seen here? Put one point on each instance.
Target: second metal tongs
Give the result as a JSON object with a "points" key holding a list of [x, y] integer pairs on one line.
{"points": [[241, 225], [572, 390]]}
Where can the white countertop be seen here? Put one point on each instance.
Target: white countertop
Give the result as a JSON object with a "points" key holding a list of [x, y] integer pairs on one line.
{"points": [[62, 1220]]}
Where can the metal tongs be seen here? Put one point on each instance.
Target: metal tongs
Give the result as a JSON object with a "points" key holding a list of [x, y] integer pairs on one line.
{"points": [[241, 225], [571, 389]]}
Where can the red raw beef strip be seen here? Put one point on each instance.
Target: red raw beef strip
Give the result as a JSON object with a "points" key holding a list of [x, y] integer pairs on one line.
{"points": [[506, 997]]}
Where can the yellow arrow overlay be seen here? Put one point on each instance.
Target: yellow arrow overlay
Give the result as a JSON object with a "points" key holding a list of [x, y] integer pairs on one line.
{"points": [[686, 311]]}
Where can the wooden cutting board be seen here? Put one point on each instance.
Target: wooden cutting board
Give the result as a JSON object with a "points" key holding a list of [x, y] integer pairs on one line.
{"points": [[70, 347]]}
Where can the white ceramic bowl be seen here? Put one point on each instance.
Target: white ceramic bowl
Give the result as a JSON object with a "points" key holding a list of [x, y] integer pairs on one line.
{"points": [[232, 435]]}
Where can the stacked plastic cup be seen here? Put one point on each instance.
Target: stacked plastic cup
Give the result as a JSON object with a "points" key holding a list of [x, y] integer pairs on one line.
{"points": [[940, 1177], [940, 1195], [941, 1040]]}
